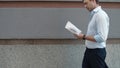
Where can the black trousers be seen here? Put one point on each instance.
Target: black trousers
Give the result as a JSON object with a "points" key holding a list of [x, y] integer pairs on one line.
{"points": [[94, 58]]}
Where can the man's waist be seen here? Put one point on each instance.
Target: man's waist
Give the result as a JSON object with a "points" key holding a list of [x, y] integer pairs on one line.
{"points": [[94, 45], [95, 48]]}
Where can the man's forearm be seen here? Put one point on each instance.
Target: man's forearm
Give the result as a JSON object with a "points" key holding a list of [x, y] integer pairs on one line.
{"points": [[90, 38], [81, 36]]}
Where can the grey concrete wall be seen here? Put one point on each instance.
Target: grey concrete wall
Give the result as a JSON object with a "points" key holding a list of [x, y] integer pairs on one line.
{"points": [[60, 54], [35, 23]]}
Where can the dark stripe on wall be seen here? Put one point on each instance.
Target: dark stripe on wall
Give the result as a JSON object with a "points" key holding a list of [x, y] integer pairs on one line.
{"points": [[49, 41], [52, 4]]}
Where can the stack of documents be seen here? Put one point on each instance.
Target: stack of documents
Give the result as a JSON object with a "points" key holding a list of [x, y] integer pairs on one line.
{"points": [[72, 28]]}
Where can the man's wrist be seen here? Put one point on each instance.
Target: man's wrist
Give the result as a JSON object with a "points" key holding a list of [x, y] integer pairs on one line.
{"points": [[84, 37]]}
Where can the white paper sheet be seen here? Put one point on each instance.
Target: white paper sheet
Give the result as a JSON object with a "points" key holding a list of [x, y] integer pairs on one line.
{"points": [[72, 28]]}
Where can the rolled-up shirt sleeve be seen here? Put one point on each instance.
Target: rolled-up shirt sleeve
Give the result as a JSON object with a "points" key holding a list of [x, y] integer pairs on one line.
{"points": [[102, 27]]}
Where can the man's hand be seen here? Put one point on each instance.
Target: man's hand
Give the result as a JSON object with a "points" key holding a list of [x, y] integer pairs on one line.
{"points": [[80, 36]]}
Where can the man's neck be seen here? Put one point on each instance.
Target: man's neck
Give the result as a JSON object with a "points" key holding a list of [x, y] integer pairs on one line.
{"points": [[96, 5]]}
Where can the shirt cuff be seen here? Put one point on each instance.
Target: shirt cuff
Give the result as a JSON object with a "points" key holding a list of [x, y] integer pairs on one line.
{"points": [[98, 38]]}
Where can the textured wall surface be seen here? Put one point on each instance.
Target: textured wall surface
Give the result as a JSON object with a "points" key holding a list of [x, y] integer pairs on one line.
{"points": [[51, 55]]}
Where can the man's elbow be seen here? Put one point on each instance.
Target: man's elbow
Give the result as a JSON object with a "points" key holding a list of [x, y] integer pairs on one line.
{"points": [[100, 39]]}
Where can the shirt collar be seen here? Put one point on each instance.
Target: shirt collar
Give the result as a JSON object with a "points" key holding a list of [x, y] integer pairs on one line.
{"points": [[95, 10]]}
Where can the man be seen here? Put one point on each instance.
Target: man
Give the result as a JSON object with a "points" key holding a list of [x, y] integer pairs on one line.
{"points": [[95, 39]]}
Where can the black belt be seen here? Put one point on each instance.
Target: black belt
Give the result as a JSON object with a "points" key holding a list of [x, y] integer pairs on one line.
{"points": [[95, 48]]}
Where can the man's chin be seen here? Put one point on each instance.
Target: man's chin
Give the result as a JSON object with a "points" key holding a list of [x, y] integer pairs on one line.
{"points": [[88, 9]]}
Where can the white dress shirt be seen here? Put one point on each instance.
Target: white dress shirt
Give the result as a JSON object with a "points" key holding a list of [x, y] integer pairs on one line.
{"points": [[99, 28]]}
